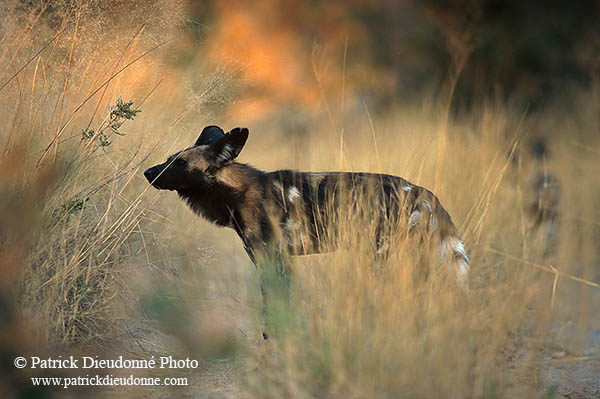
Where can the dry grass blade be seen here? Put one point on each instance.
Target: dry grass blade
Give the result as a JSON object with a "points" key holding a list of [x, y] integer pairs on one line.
{"points": [[547, 268]]}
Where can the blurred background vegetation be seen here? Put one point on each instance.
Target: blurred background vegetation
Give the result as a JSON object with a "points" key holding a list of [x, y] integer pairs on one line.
{"points": [[452, 95], [394, 52]]}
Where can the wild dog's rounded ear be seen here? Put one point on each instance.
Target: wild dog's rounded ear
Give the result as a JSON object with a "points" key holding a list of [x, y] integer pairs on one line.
{"points": [[230, 146], [239, 135], [538, 148], [210, 135]]}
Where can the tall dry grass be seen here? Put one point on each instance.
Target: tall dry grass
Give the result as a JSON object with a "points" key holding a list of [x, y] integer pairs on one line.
{"points": [[88, 274], [108, 265]]}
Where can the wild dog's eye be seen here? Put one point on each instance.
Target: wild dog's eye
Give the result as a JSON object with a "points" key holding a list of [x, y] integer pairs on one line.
{"points": [[210, 171], [180, 162]]}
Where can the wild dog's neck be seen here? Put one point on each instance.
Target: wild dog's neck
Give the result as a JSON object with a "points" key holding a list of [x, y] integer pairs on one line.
{"points": [[233, 189]]}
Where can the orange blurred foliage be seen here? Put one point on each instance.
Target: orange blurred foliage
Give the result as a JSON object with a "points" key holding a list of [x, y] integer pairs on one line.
{"points": [[285, 51]]}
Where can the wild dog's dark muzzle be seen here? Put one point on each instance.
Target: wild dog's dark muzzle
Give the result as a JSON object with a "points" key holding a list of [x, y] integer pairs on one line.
{"points": [[152, 174]]}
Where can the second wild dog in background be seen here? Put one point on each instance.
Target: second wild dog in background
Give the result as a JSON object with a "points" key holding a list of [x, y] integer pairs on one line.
{"points": [[298, 213], [546, 195], [543, 192]]}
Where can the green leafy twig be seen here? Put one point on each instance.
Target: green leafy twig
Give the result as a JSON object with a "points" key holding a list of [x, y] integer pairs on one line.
{"points": [[119, 114]]}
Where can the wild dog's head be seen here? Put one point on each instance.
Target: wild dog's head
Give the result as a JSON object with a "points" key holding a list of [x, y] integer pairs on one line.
{"points": [[197, 166]]}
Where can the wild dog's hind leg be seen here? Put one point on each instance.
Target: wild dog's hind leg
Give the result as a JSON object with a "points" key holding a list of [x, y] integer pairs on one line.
{"points": [[383, 244], [452, 250], [434, 224]]}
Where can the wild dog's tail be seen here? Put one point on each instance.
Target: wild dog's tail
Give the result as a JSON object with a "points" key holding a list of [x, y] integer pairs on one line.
{"points": [[452, 249]]}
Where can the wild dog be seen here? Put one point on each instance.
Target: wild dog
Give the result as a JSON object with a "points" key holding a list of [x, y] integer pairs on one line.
{"points": [[542, 195], [296, 213], [545, 188]]}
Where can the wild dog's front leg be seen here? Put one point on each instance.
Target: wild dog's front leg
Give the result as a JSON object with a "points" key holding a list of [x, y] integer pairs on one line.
{"points": [[275, 285]]}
